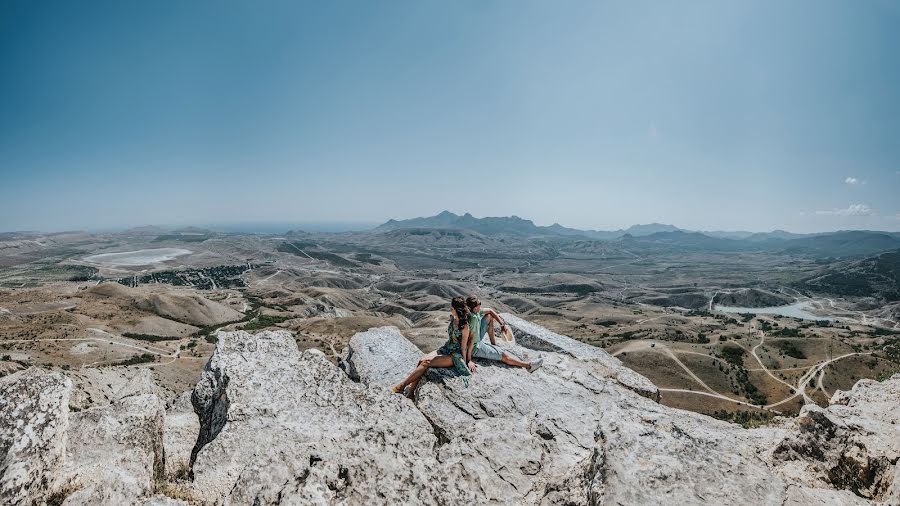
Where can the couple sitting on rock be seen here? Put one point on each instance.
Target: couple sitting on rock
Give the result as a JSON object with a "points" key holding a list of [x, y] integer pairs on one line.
{"points": [[466, 329]]}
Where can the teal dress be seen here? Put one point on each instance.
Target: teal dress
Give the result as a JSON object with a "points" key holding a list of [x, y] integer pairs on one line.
{"points": [[453, 349]]}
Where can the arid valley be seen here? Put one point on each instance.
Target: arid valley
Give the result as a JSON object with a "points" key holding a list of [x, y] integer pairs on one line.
{"points": [[696, 313]]}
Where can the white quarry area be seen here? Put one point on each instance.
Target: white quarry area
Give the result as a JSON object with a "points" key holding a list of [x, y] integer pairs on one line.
{"points": [[138, 257], [267, 424]]}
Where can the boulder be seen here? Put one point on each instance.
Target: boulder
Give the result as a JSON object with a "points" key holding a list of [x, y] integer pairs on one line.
{"points": [[853, 444], [179, 435], [647, 453], [378, 357], [280, 425], [34, 419], [115, 452], [536, 337], [100, 386]]}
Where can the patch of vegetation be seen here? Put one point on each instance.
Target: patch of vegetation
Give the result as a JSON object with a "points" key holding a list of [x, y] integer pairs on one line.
{"points": [[576, 288], [788, 332], [304, 249], [149, 337], [264, 321], [222, 276], [886, 375], [746, 419], [137, 359], [81, 272], [366, 258], [790, 349], [733, 355]]}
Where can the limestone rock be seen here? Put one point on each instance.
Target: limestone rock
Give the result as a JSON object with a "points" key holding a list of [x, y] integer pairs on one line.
{"points": [[569, 434], [179, 435], [647, 453], [853, 445], [378, 357], [536, 337], [34, 418], [278, 425], [161, 500], [115, 452], [100, 386]]}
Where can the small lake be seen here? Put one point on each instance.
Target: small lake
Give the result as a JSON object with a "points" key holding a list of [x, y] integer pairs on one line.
{"points": [[795, 310], [139, 257]]}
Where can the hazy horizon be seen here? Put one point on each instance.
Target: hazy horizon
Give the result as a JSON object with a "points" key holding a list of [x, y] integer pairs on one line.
{"points": [[749, 116], [279, 227]]}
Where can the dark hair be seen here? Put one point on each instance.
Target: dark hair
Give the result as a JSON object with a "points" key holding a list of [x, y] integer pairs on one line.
{"points": [[472, 301], [459, 304]]}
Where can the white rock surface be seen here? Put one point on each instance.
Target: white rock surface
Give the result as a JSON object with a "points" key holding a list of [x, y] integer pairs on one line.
{"points": [[34, 418], [115, 452], [854, 444], [569, 434], [278, 425], [378, 357], [179, 435], [538, 338], [100, 386]]}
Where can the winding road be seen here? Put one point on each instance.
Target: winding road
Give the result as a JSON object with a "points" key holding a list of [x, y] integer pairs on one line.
{"points": [[812, 371]]}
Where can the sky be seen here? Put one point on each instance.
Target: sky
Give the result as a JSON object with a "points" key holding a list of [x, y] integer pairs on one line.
{"points": [[708, 115]]}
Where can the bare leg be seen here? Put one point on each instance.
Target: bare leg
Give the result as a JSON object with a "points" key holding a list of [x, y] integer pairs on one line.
{"points": [[439, 361], [430, 360], [415, 384], [508, 360], [413, 376]]}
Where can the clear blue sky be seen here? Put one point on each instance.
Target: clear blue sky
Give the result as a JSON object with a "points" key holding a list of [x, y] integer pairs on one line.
{"points": [[709, 115]]}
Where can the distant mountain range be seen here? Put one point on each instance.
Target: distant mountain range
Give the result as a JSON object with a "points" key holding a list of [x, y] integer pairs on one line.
{"points": [[840, 244], [516, 226]]}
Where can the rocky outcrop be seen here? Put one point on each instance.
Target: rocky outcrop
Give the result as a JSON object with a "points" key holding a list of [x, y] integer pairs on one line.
{"points": [[34, 418], [179, 435], [267, 424], [569, 434], [852, 445], [277, 423], [115, 452], [538, 338], [379, 356], [110, 454], [100, 386]]}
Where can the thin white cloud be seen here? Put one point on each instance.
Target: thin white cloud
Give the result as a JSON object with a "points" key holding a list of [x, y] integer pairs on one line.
{"points": [[851, 210], [851, 180]]}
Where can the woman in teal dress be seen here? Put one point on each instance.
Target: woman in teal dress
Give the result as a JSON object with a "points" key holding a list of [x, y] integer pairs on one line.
{"points": [[456, 353]]}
